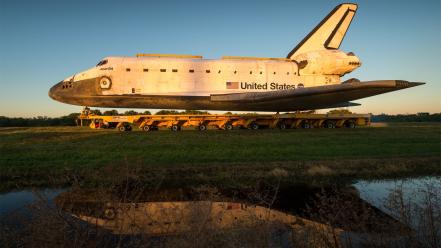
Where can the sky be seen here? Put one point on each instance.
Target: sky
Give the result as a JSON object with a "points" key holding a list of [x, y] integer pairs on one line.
{"points": [[43, 42]]}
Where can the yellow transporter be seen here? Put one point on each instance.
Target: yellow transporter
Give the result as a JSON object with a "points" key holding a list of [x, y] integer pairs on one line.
{"points": [[227, 122]]}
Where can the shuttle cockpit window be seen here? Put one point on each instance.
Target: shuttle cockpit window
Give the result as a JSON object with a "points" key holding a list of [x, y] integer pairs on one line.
{"points": [[102, 62]]}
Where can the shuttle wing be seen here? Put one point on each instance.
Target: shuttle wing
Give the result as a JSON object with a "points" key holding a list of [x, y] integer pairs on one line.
{"points": [[328, 94]]}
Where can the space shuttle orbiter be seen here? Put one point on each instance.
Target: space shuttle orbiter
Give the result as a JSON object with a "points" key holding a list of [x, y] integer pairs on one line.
{"points": [[308, 78]]}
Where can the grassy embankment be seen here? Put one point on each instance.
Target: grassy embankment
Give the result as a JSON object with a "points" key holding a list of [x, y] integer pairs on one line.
{"points": [[61, 155]]}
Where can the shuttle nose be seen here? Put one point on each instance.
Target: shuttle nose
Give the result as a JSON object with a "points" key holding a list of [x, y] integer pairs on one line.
{"points": [[54, 91]]}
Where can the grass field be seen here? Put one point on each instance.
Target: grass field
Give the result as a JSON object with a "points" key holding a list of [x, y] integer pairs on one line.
{"points": [[33, 153]]}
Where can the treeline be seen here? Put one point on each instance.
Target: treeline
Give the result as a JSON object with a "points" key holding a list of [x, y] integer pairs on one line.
{"points": [[40, 121], [71, 119], [419, 117], [114, 112]]}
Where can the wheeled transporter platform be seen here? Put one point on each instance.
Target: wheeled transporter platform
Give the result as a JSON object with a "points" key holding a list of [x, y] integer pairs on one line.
{"points": [[227, 122]]}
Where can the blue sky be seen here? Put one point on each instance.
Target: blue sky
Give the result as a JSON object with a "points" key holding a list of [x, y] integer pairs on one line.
{"points": [[42, 42]]}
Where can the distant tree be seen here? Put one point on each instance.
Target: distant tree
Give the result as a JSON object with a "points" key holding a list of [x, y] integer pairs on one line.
{"points": [[407, 118], [68, 120], [40, 121], [4, 121], [73, 115], [146, 112], [228, 113], [340, 111], [185, 112], [167, 112], [131, 112], [111, 112], [95, 112], [194, 112]]}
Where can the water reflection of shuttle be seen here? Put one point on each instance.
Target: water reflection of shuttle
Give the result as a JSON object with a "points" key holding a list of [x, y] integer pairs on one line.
{"points": [[181, 217]]}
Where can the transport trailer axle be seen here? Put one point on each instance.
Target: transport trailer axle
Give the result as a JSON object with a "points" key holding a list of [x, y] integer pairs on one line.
{"points": [[226, 122]]}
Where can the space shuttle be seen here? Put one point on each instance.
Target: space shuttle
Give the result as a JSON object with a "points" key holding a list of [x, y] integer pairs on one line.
{"points": [[308, 78]]}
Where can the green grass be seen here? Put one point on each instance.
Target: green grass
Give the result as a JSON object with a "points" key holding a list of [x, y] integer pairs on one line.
{"points": [[32, 150], [79, 147]]}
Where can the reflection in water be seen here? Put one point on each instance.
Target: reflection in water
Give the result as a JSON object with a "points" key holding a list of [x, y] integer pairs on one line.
{"points": [[181, 217], [296, 216]]}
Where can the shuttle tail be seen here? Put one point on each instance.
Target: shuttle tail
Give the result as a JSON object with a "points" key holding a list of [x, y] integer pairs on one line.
{"points": [[329, 33]]}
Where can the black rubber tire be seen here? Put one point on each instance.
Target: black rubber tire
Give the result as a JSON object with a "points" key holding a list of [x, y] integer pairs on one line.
{"points": [[350, 124], [254, 126], [202, 127], [228, 127], [146, 128], [175, 128], [122, 128], [306, 125], [330, 124], [282, 126]]}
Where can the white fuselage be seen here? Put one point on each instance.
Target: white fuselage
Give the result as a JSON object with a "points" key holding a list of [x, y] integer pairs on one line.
{"points": [[156, 75]]}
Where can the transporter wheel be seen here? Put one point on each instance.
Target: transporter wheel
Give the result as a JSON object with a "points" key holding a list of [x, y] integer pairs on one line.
{"points": [[350, 124], [122, 128], [175, 128], [228, 127], [146, 128], [306, 125], [282, 126], [330, 124], [202, 127], [254, 126]]}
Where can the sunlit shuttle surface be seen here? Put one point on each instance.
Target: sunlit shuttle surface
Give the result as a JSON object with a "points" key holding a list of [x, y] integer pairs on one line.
{"points": [[308, 78]]}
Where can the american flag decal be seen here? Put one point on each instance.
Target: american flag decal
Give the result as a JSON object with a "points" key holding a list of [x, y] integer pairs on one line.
{"points": [[232, 85]]}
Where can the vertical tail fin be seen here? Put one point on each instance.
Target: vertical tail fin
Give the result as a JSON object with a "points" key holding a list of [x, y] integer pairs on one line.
{"points": [[329, 33]]}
